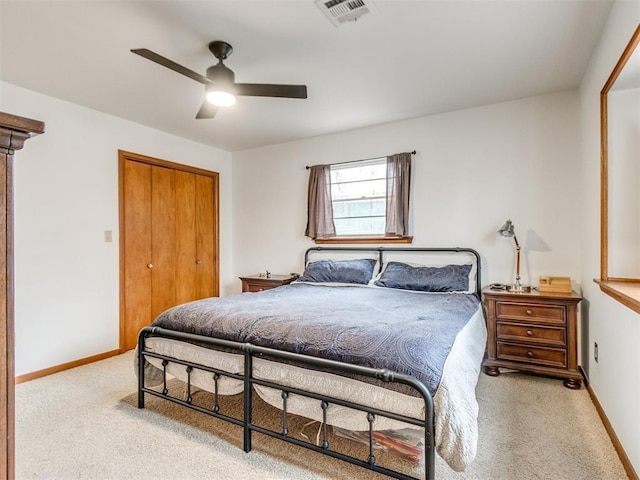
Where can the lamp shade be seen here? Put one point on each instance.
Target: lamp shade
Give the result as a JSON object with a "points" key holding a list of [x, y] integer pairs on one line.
{"points": [[221, 94], [221, 98], [507, 229]]}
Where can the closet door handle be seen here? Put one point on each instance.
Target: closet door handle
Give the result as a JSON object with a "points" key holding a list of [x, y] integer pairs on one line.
{"points": [[149, 266]]}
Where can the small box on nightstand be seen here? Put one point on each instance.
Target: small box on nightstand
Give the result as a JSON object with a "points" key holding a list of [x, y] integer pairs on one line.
{"points": [[555, 284]]}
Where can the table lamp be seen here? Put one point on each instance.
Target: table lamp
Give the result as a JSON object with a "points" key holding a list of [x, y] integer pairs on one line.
{"points": [[507, 231]]}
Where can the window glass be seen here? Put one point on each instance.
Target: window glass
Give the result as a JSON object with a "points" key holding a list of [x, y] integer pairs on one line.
{"points": [[358, 194]]}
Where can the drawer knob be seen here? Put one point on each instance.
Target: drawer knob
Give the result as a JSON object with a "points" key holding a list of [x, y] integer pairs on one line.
{"points": [[529, 332], [529, 312], [530, 354], [198, 262], [149, 266]]}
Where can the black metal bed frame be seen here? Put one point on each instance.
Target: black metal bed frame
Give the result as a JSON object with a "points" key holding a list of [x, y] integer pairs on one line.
{"points": [[250, 351]]}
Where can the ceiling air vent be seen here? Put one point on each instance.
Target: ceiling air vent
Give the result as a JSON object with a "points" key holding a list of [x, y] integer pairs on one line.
{"points": [[341, 11]]}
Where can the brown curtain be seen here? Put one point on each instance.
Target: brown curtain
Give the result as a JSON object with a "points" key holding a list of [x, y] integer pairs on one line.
{"points": [[319, 209], [398, 182]]}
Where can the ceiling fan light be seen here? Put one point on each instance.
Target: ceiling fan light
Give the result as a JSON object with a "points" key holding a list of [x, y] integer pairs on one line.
{"points": [[221, 98]]}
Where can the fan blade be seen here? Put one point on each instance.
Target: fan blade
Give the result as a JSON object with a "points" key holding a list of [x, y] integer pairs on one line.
{"points": [[170, 64], [271, 90], [207, 110]]}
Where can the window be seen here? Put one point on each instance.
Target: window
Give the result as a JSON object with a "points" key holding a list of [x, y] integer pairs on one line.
{"points": [[358, 197], [366, 201]]}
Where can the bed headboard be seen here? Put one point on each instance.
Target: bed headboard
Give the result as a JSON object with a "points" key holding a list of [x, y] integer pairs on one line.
{"points": [[426, 255]]}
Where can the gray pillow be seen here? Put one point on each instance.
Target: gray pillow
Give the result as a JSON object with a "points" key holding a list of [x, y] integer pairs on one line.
{"points": [[449, 278], [339, 271]]}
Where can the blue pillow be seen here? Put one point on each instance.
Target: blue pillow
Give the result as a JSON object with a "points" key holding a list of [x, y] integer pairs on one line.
{"points": [[449, 278], [340, 271]]}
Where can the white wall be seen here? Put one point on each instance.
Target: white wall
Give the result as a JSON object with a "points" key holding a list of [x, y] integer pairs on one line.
{"points": [[66, 196], [473, 170], [615, 379]]}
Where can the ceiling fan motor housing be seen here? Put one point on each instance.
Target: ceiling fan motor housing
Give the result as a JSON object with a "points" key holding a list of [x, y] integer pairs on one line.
{"points": [[219, 73], [221, 50]]}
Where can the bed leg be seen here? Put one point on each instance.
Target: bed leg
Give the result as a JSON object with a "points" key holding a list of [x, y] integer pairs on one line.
{"points": [[140, 398], [429, 434], [140, 374], [248, 373], [430, 453]]}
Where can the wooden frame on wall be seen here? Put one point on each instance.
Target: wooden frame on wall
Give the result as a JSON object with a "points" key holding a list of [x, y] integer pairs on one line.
{"points": [[14, 131], [624, 290]]}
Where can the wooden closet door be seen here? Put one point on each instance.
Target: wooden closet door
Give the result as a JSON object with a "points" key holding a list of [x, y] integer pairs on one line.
{"points": [[149, 245], [163, 240], [195, 224], [186, 286], [205, 237], [136, 210], [169, 239]]}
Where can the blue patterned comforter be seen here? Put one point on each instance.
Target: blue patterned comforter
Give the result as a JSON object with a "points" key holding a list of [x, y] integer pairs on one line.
{"points": [[406, 332]]}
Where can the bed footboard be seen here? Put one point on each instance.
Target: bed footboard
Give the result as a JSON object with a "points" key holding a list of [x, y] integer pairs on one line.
{"points": [[249, 351]]}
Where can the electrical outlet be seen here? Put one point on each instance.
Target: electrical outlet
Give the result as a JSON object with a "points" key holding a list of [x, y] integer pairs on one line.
{"points": [[595, 351], [108, 237]]}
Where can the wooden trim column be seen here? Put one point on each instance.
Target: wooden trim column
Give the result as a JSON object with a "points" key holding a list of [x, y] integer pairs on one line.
{"points": [[14, 131]]}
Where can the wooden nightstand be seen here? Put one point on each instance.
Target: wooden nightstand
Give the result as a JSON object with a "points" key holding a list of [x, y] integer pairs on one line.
{"points": [[533, 332], [256, 283]]}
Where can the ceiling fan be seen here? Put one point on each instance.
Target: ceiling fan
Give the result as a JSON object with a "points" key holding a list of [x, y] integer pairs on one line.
{"points": [[219, 82]]}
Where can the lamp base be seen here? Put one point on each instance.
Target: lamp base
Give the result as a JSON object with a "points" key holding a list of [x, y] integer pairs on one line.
{"points": [[519, 288]]}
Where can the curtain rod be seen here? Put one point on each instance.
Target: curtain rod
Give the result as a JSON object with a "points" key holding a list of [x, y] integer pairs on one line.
{"points": [[413, 152]]}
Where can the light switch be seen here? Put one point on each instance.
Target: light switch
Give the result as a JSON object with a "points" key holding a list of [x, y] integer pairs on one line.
{"points": [[108, 236]]}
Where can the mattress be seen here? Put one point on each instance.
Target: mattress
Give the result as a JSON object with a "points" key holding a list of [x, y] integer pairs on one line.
{"points": [[407, 332], [455, 404]]}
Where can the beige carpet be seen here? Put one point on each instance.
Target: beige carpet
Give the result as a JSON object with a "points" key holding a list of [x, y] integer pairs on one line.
{"points": [[83, 424]]}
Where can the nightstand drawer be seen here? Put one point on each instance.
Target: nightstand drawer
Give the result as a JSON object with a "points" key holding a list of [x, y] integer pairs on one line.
{"points": [[532, 334], [529, 354], [530, 312], [257, 288], [259, 283]]}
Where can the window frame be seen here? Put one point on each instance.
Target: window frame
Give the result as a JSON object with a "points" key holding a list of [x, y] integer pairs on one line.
{"points": [[364, 239], [623, 290]]}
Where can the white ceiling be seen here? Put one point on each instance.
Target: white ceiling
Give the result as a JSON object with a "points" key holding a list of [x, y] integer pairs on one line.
{"points": [[411, 58]]}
